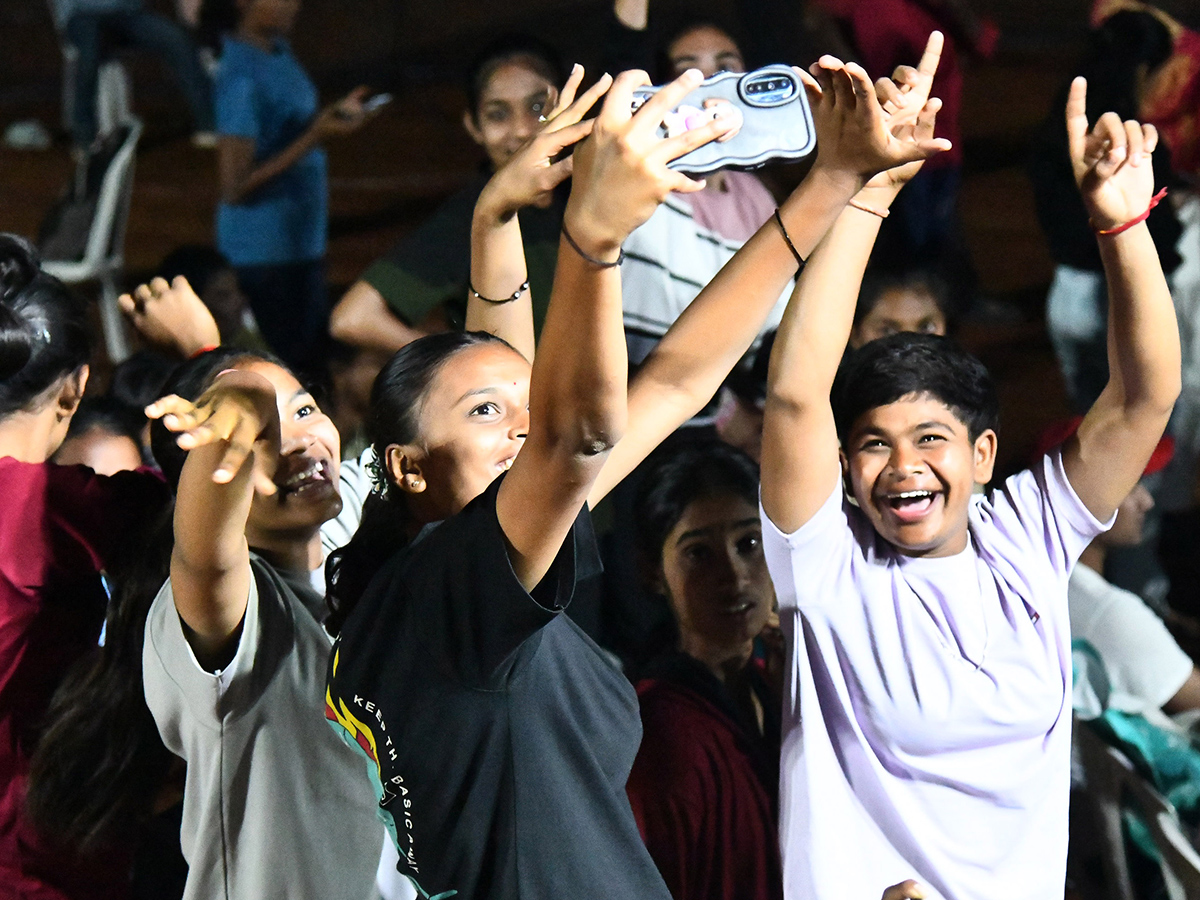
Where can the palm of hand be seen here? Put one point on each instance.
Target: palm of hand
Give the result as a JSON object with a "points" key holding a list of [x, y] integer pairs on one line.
{"points": [[1116, 191]]}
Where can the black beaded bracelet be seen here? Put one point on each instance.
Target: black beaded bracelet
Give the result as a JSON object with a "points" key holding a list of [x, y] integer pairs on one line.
{"points": [[783, 230], [595, 262], [516, 294]]}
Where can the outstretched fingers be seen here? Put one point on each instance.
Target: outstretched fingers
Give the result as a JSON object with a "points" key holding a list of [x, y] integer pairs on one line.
{"points": [[567, 96], [673, 148], [654, 110], [177, 414], [567, 114]]}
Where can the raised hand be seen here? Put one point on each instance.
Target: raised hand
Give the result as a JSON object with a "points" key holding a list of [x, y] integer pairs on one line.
{"points": [[854, 136], [239, 409], [1111, 161], [531, 174], [343, 117], [621, 173], [905, 94], [171, 316]]}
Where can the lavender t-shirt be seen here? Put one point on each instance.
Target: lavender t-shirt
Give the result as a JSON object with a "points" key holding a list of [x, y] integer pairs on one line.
{"points": [[927, 717]]}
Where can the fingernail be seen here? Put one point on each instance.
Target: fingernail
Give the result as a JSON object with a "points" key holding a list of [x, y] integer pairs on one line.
{"points": [[694, 75], [575, 67], [1118, 152]]}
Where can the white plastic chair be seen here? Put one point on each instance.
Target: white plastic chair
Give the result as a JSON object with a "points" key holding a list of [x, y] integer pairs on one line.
{"points": [[1113, 785], [103, 258]]}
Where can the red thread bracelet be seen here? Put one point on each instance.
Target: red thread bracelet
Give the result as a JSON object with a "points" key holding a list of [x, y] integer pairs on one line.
{"points": [[1154, 201]]}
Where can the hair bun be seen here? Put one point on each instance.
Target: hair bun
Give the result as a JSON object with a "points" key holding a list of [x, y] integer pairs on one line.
{"points": [[19, 266]]}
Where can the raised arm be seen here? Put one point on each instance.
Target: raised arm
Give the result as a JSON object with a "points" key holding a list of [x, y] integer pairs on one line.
{"points": [[800, 466], [1107, 455], [171, 317], [232, 437], [500, 301], [577, 397], [718, 327]]}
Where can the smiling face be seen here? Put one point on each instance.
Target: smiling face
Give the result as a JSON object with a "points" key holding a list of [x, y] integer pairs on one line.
{"points": [[715, 577], [306, 477], [509, 106], [912, 467], [706, 48], [900, 309], [473, 422]]}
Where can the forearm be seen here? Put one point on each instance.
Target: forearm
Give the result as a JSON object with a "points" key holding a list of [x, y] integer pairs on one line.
{"points": [[578, 400], [1144, 352], [243, 185], [210, 563], [362, 319], [719, 326], [497, 270]]}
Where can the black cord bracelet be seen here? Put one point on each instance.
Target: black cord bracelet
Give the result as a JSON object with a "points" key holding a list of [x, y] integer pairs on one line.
{"points": [[595, 262], [783, 230], [516, 294]]}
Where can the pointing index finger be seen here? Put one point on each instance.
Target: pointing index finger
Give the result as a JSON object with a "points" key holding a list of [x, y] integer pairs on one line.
{"points": [[932, 56]]}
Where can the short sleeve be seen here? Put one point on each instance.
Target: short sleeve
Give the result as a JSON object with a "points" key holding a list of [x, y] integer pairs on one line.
{"points": [[802, 563], [468, 604], [432, 265], [180, 691], [237, 107], [1038, 513]]}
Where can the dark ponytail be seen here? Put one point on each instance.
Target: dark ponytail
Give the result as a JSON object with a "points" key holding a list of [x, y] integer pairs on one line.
{"points": [[44, 331], [394, 418]]}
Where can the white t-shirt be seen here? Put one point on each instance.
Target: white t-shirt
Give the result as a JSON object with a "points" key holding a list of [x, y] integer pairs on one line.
{"points": [[1145, 666], [672, 256], [927, 716], [275, 804]]}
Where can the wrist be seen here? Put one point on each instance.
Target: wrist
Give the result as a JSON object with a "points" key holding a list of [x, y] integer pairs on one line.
{"points": [[840, 181], [492, 212], [589, 236], [878, 196]]}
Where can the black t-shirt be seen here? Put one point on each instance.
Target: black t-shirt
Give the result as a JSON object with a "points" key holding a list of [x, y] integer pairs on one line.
{"points": [[500, 734]]}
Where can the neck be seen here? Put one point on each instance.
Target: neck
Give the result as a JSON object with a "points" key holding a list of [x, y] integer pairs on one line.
{"points": [[1094, 556], [27, 436], [724, 662], [263, 40], [297, 553]]}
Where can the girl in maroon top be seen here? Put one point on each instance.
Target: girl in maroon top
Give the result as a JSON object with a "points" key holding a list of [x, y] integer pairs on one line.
{"points": [[704, 786], [60, 527]]}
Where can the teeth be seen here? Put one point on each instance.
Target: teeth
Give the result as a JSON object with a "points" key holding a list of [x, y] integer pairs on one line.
{"points": [[912, 495], [304, 474]]}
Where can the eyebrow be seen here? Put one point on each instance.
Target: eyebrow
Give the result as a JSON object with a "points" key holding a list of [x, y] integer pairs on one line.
{"points": [[477, 392], [700, 532]]}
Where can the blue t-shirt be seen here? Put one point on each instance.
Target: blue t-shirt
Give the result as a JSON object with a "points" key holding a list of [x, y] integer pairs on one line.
{"points": [[268, 98]]}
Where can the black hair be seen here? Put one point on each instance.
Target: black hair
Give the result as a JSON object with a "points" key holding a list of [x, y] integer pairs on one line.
{"points": [[108, 414], [678, 476], [879, 280], [44, 333], [189, 381], [539, 56], [138, 380], [394, 418], [1115, 53], [908, 365], [685, 25], [101, 761]]}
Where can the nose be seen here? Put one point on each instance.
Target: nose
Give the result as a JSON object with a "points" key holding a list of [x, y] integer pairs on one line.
{"points": [[519, 429], [905, 459], [526, 125], [294, 441]]}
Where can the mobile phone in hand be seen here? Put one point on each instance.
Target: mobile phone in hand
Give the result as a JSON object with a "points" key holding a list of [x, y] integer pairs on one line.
{"points": [[776, 120], [373, 103]]}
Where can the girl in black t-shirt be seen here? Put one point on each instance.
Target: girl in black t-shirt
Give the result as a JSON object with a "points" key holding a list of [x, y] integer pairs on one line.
{"points": [[498, 737]]}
